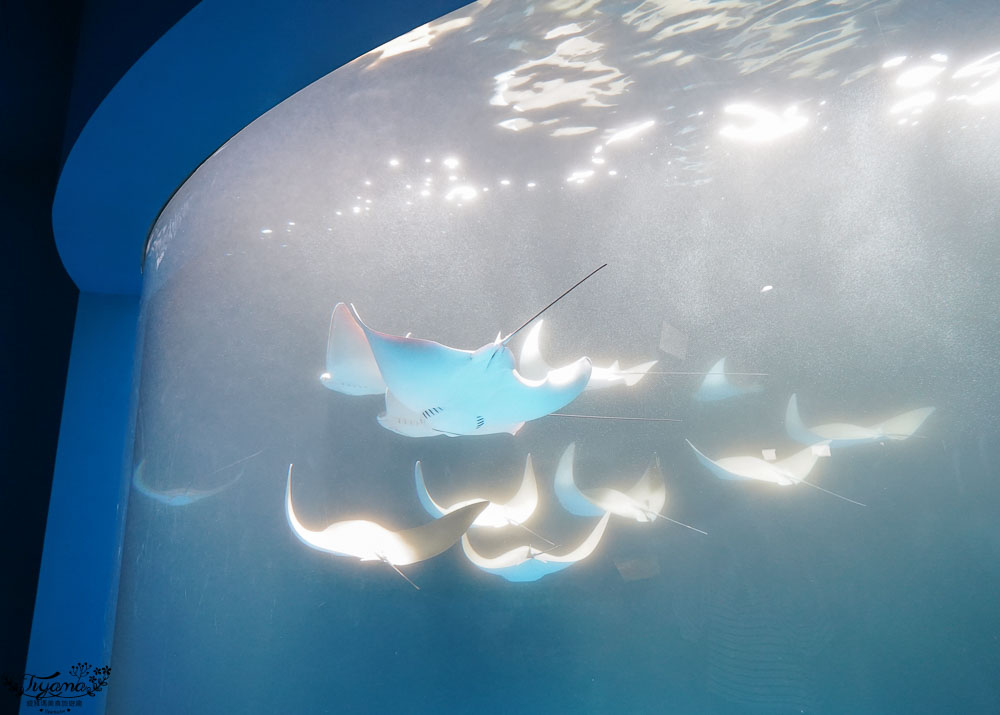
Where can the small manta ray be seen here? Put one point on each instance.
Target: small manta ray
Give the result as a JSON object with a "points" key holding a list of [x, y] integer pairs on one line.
{"points": [[368, 541], [644, 502], [350, 366], [840, 434], [514, 512], [533, 366], [469, 392], [716, 386], [784, 473], [182, 496], [526, 563]]}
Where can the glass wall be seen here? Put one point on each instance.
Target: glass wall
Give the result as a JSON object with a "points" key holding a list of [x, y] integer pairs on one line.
{"points": [[796, 203]]}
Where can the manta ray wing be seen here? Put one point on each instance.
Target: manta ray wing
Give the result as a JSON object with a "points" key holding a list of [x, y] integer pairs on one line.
{"points": [[800, 464], [903, 426], [369, 541], [573, 500], [350, 365], [426, 500], [650, 492], [585, 549], [431, 539], [422, 374], [717, 386], [530, 362], [717, 469], [795, 427], [635, 373], [522, 505]]}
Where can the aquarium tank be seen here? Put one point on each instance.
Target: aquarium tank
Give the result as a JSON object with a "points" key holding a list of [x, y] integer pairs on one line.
{"points": [[583, 356]]}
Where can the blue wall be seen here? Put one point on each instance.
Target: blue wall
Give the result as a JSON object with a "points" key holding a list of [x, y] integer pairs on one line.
{"points": [[76, 594]]}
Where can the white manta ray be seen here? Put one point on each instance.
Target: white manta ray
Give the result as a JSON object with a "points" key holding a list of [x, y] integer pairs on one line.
{"points": [[644, 502], [840, 434], [466, 392], [517, 510], [533, 366], [350, 366], [784, 472], [526, 563], [716, 386], [368, 541]]}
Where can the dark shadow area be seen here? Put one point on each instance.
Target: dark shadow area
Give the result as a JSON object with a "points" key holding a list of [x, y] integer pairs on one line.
{"points": [[59, 59]]}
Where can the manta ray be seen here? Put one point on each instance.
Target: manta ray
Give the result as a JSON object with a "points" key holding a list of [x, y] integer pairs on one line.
{"points": [[370, 541], [784, 473], [644, 502], [514, 512], [532, 365], [716, 386], [351, 369], [526, 563], [468, 392], [182, 496], [841, 434]]}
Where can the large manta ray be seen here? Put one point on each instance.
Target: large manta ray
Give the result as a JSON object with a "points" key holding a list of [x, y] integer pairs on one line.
{"points": [[469, 392]]}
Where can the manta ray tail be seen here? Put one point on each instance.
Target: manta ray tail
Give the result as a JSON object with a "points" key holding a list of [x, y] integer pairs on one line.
{"points": [[564, 294], [816, 486], [679, 523], [405, 577]]}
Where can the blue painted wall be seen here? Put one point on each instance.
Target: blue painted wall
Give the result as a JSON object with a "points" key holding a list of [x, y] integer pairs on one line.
{"points": [[74, 606]]}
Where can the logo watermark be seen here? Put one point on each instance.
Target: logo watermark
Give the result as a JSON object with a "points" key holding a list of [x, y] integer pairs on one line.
{"points": [[58, 692]]}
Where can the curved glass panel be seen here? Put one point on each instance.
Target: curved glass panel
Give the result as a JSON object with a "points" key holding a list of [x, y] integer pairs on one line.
{"points": [[796, 203]]}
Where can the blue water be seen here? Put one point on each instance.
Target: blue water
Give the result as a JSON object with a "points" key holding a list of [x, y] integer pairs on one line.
{"points": [[874, 223]]}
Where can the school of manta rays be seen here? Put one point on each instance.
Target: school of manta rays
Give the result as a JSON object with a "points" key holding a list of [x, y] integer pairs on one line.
{"points": [[432, 390]]}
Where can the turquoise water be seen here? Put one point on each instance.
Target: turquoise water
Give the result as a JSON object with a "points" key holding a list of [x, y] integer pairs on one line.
{"points": [[807, 190]]}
